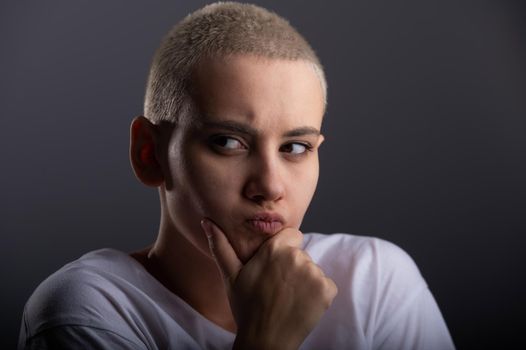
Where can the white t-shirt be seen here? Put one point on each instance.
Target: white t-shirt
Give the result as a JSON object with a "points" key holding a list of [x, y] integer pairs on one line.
{"points": [[107, 300]]}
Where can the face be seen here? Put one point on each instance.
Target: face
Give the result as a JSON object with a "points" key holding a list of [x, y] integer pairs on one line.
{"points": [[249, 158]]}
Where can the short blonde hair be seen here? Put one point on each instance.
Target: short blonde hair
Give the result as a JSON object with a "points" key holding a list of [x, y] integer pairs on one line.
{"points": [[217, 30]]}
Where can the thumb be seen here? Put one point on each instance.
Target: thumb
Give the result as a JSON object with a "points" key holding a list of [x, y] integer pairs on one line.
{"points": [[221, 250]]}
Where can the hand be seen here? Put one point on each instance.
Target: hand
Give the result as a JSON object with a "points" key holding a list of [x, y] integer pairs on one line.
{"points": [[278, 296]]}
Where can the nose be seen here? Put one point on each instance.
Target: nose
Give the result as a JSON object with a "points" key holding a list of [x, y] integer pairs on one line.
{"points": [[265, 180]]}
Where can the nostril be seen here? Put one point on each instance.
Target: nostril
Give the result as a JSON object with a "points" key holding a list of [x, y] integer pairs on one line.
{"points": [[258, 198]]}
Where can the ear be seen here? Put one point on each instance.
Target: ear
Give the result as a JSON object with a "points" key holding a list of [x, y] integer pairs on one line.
{"points": [[144, 145]]}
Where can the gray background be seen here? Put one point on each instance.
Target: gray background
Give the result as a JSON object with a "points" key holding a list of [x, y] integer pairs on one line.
{"points": [[425, 141]]}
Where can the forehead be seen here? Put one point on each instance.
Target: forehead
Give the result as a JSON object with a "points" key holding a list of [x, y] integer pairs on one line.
{"points": [[259, 91]]}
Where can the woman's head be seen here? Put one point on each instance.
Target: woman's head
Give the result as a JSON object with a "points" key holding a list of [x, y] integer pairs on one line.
{"points": [[214, 31], [244, 102]]}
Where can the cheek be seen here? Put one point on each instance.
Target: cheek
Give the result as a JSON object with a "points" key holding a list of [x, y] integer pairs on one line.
{"points": [[305, 181], [302, 189], [213, 184]]}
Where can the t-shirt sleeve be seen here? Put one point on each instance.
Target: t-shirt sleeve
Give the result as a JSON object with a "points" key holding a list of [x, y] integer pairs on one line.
{"points": [[76, 309], [383, 302], [77, 337], [408, 316], [420, 326]]}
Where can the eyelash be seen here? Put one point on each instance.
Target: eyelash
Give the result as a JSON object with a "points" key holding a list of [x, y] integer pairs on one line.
{"points": [[308, 148], [213, 140]]}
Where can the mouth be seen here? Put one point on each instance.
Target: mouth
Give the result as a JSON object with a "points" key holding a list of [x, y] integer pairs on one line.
{"points": [[266, 223]]}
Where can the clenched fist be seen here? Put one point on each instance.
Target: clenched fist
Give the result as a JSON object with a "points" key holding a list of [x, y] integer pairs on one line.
{"points": [[278, 296]]}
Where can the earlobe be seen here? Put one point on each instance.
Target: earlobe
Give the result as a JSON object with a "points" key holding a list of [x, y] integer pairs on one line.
{"points": [[143, 158]]}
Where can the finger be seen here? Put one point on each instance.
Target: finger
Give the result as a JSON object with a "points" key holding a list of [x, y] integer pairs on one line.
{"points": [[221, 250], [287, 237]]}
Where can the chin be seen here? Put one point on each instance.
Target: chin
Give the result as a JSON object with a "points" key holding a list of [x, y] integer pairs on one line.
{"points": [[246, 251]]}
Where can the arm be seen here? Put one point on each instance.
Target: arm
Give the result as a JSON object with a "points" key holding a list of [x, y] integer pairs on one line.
{"points": [[77, 337]]}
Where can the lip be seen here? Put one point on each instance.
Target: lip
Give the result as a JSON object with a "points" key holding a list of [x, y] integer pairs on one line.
{"points": [[266, 223]]}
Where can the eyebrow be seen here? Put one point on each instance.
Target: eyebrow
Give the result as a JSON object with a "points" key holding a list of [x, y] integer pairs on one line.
{"points": [[251, 131]]}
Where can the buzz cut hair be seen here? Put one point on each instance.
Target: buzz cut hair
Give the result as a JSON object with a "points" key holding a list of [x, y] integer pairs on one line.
{"points": [[216, 31]]}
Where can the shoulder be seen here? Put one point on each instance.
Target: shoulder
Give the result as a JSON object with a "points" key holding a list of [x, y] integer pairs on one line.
{"points": [[105, 297], [362, 255], [382, 295], [81, 293], [373, 275]]}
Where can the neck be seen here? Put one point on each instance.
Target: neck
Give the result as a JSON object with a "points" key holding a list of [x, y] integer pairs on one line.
{"points": [[191, 275]]}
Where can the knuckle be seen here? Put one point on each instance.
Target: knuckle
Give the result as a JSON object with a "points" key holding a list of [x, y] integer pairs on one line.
{"points": [[292, 257], [292, 236], [296, 255], [273, 245], [326, 290], [314, 270], [331, 290], [296, 234]]}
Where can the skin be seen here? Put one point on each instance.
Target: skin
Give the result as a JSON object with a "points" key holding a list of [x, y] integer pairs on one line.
{"points": [[252, 148]]}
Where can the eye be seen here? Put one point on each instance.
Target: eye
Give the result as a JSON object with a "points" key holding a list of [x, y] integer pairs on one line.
{"points": [[296, 148], [227, 142]]}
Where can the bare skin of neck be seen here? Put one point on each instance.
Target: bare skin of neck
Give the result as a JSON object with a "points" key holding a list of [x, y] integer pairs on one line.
{"points": [[189, 274]]}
